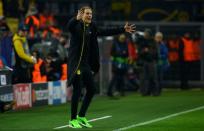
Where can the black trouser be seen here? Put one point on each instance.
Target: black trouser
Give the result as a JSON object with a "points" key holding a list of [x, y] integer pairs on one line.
{"points": [[21, 75], [118, 80], [84, 79], [160, 80], [148, 79], [184, 74]]}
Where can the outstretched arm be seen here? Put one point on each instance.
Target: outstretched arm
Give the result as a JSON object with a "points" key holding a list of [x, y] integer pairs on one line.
{"points": [[115, 31]]}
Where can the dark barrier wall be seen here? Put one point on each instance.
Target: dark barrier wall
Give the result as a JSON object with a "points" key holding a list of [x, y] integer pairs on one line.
{"points": [[6, 93], [40, 94], [5, 77]]}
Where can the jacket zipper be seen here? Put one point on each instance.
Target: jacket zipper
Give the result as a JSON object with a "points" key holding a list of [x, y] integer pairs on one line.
{"points": [[82, 50]]}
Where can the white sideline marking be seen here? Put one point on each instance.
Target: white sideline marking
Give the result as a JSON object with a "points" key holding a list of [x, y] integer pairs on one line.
{"points": [[95, 119], [159, 119]]}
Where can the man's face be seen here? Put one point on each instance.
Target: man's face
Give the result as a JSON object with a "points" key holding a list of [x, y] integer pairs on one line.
{"points": [[146, 35], [87, 16], [158, 38], [122, 38]]}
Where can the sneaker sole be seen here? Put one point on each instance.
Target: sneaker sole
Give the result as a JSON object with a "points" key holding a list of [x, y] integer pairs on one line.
{"points": [[74, 127], [84, 125]]}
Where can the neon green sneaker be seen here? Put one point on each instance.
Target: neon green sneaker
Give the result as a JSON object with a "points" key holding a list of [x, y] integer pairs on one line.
{"points": [[74, 124], [84, 122]]}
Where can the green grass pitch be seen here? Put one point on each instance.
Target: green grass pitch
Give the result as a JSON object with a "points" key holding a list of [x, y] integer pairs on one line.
{"points": [[126, 111]]}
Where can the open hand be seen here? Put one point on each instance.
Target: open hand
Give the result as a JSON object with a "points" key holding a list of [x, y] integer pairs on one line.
{"points": [[79, 15], [129, 28]]}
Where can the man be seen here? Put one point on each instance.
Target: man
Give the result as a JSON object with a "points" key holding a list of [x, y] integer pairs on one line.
{"points": [[33, 23], [5, 42], [187, 56], [163, 62], [119, 58], [147, 61], [24, 60], [83, 60]]}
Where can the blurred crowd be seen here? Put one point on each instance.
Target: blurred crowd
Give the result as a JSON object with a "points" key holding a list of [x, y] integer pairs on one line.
{"points": [[37, 52], [140, 61]]}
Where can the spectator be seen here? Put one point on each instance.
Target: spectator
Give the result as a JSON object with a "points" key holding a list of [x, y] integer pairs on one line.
{"points": [[51, 68], [5, 42], [163, 62], [46, 19], [37, 77], [33, 23], [119, 57], [22, 72], [147, 60], [188, 54]]}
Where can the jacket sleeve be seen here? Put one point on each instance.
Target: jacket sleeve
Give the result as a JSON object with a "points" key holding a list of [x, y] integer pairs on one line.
{"points": [[164, 54], [110, 31], [20, 51], [71, 24], [138, 38]]}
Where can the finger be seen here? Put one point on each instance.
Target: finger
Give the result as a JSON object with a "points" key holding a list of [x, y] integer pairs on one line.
{"points": [[131, 31], [133, 25], [126, 23]]}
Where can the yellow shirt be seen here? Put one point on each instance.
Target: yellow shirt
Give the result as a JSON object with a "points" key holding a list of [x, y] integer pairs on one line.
{"points": [[19, 48]]}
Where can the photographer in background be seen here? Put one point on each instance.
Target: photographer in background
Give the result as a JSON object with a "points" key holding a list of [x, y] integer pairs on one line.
{"points": [[147, 61]]}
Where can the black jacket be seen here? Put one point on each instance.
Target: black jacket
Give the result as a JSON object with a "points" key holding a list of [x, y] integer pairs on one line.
{"points": [[151, 45], [82, 36]]}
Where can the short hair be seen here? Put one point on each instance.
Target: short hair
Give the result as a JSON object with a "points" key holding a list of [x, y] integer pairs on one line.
{"points": [[148, 31], [82, 9], [159, 34]]}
